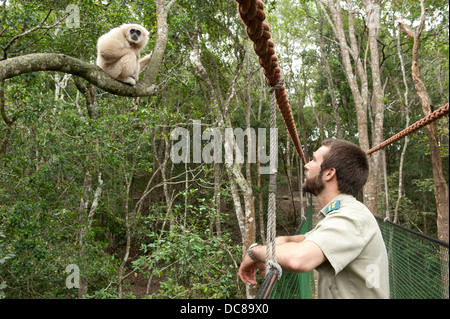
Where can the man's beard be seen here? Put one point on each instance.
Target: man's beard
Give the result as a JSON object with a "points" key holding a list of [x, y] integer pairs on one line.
{"points": [[314, 185]]}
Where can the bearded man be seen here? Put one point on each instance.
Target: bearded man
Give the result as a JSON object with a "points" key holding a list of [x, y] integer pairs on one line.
{"points": [[346, 247]]}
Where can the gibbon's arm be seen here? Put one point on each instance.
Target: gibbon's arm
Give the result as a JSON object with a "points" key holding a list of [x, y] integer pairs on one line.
{"points": [[144, 61], [112, 50], [114, 54]]}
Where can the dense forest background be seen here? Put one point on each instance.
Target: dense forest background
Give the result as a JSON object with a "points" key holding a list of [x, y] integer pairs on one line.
{"points": [[86, 176]]}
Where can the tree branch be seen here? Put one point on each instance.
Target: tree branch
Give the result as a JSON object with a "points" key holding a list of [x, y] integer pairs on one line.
{"points": [[16, 66], [59, 62]]}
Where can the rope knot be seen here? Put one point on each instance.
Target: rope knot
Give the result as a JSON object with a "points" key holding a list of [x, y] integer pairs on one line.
{"points": [[274, 264], [278, 85]]}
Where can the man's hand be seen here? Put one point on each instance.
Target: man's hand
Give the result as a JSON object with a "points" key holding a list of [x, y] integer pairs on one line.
{"points": [[247, 270]]}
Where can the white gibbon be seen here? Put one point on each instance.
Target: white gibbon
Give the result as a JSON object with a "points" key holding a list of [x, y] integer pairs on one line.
{"points": [[118, 52]]}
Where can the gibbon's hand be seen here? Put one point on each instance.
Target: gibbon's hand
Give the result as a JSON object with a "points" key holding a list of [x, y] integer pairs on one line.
{"points": [[247, 270]]}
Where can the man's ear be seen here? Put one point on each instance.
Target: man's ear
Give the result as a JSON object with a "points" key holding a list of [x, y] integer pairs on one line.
{"points": [[329, 174]]}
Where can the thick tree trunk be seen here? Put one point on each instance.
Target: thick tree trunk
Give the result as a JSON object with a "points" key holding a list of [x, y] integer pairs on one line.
{"points": [[330, 82], [405, 145], [373, 12], [440, 185], [360, 95]]}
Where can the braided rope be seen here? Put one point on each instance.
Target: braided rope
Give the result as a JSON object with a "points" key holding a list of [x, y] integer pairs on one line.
{"points": [[253, 16], [441, 112], [271, 259]]}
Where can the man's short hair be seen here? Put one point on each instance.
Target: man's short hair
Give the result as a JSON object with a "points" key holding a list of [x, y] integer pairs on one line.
{"points": [[350, 163]]}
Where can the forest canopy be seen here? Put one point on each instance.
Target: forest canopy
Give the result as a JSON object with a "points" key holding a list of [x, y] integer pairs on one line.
{"points": [[88, 179]]}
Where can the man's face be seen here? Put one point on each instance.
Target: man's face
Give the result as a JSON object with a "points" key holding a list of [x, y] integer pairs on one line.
{"points": [[313, 176]]}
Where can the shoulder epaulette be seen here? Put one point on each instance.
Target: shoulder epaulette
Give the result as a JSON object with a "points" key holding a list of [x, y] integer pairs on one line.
{"points": [[333, 206]]}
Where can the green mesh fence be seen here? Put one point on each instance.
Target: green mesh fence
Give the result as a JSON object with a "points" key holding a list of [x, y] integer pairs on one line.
{"points": [[296, 286], [418, 264]]}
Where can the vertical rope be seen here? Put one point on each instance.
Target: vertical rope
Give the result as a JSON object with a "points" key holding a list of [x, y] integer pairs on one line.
{"points": [[271, 259]]}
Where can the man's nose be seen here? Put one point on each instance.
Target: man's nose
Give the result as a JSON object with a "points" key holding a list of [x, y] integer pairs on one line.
{"points": [[306, 165]]}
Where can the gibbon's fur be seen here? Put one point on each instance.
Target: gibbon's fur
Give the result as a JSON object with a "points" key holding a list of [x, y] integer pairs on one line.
{"points": [[118, 52]]}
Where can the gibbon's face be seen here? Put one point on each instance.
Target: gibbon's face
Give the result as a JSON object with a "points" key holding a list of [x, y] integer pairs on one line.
{"points": [[136, 35]]}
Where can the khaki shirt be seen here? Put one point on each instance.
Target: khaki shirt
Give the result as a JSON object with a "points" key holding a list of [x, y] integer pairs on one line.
{"points": [[357, 262]]}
